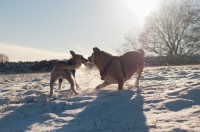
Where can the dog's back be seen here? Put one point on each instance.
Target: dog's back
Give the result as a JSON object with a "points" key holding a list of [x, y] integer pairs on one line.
{"points": [[58, 63]]}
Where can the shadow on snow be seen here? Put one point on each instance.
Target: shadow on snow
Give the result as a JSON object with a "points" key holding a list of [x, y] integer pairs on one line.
{"points": [[185, 100], [110, 111]]}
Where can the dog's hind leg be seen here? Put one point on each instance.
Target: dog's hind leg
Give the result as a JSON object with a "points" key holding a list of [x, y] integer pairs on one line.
{"points": [[139, 72], [60, 83], [52, 81], [104, 84]]}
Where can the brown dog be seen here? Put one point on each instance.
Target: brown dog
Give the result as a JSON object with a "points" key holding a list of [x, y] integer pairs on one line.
{"points": [[66, 70], [117, 69]]}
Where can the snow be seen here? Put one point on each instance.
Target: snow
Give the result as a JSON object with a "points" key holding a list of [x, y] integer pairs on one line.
{"points": [[168, 99]]}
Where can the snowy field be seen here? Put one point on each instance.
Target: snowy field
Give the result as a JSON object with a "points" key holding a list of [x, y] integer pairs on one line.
{"points": [[168, 100]]}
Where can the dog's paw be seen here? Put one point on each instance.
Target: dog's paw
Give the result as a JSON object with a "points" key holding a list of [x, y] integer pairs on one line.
{"points": [[97, 88], [50, 96], [77, 92], [136, 83]]}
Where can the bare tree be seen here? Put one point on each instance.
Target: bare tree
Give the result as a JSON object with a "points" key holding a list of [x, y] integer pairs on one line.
{"points": [[173, 29], [131, 42], [3, 58]]}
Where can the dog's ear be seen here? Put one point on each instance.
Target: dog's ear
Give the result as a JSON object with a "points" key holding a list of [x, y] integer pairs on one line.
{"points": [[96, 50], [72, 53]]}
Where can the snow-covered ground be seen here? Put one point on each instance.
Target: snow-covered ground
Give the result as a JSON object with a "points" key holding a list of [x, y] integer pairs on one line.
{"points": [[168, 99]]}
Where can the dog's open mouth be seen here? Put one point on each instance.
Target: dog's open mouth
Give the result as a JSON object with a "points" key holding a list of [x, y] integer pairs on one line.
{"points": [[85, 63]]}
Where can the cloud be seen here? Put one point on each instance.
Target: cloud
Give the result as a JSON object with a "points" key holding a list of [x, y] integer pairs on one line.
{"points": [[21, 53]]}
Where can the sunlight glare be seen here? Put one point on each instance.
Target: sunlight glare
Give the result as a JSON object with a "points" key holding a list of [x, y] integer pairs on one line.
{"points": [[141, 8]]}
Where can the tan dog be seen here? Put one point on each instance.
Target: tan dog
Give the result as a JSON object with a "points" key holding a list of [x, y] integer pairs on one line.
{"points": [[66, 70], [117, 69]]}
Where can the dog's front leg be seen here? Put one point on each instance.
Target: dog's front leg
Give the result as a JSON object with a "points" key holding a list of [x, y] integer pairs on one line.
{"points": [[77, 85], [73, 85], [104, 84]]}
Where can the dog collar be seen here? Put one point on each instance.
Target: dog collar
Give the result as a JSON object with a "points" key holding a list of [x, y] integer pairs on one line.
{"points": [[106, 68]]}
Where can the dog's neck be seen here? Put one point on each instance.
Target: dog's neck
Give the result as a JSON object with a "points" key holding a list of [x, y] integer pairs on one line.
{"points": [[96, 60], [102, 55], [72, 61], [107, 59]]}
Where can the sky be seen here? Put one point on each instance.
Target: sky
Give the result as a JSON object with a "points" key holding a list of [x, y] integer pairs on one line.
{"points": [[48, 29]]}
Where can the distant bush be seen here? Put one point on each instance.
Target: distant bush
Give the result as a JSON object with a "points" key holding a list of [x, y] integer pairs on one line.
{"points": [[172, 60], [3, 58], [27, 67]]}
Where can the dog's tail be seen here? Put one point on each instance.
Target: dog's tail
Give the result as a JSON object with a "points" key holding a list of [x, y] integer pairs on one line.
{"points": [[141, 52]]}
